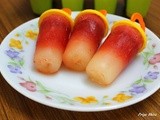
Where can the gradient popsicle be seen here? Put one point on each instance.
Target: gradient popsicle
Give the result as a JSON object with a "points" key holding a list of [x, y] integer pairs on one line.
{"points": [[124, 42], [89, 29], [54, 29]]}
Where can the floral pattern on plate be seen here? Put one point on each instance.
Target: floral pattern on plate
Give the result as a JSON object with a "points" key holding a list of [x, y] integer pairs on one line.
{"points": [[150, 58], [15, 49], [15, 53]]}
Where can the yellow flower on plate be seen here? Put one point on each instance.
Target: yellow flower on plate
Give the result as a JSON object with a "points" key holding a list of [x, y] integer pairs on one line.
{"points": [[121, 97], [31, 34], [15, 43], [87, 100]]}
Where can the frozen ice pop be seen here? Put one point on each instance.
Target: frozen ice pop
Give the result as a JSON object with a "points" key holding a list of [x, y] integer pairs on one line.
{"points": [[89, 29], [54, 29], [126, 40]]}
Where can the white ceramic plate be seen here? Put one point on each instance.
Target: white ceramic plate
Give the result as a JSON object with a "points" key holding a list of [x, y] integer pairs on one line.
{"points": [[71, 90]]}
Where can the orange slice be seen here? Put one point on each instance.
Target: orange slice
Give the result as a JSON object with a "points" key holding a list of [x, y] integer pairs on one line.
{"points": [[101, 14], [66, 12]]}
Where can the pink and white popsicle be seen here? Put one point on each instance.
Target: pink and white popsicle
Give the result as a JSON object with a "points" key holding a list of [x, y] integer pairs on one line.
{"points": [[54, 29], [89, 29], [124, 42]]}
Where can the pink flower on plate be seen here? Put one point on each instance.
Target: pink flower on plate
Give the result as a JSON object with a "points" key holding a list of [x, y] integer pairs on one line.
{"points": [[155, 59], [31, 86]]}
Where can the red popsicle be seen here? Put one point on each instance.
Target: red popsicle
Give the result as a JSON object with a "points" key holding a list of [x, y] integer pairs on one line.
{"points": [[89, 29], [124, 42], [54, 29]]}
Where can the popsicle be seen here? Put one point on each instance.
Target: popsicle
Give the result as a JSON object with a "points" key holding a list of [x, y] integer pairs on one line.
{"points": [[89, 29], [126, 40], [55, 26]]}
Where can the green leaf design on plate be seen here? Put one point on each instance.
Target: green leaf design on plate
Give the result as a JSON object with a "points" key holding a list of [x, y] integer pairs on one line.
{"points": [[21, 62], [138, 81], [13, 63], [106, 103], [149, 52], [42, 87], [148, 81], [64, 99], [44, 91], [105, 96]]}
